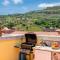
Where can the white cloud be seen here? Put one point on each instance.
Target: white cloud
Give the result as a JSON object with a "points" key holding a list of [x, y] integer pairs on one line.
{"points": [[17, 1], [45, 5], [6, 2]]}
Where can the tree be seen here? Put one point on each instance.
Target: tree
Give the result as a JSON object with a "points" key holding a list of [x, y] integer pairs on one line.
{"points": [[10, 25]]}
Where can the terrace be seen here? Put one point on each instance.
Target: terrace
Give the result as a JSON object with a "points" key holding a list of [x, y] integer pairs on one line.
{"points": [[8, 43]]}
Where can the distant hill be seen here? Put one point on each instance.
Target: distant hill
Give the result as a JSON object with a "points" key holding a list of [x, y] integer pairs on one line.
{"points": [[34, 20]]}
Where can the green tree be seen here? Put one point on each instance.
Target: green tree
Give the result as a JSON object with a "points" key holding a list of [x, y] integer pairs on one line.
{"points": [[10, 25]]}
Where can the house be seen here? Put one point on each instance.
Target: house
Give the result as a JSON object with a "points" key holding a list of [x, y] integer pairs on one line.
{"points": [[6, 30]]}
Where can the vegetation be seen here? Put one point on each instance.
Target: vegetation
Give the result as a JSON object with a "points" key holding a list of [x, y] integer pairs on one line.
{"points": [[33, 20]]}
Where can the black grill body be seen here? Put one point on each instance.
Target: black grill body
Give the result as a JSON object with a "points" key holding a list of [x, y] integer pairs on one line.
{"points": [[31, 41]]}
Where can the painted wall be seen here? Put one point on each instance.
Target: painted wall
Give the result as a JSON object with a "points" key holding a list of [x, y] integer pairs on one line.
{"points": [[8, 51]]}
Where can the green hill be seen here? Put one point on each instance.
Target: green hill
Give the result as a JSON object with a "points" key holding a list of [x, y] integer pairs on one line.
{"points": [[33, 20]]}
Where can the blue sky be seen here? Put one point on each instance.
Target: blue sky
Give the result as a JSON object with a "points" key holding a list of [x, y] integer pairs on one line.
{"points": [[22, 6]]}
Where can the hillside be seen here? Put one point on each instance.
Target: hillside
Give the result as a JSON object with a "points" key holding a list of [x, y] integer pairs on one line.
{"points": [[33, 20]]}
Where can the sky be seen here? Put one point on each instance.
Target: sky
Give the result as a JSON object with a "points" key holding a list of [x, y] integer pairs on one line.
{"points": [[22, 6]]}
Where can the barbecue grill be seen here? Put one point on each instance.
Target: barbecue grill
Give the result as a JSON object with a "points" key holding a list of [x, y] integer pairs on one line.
{"points": [[31, 41]]}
